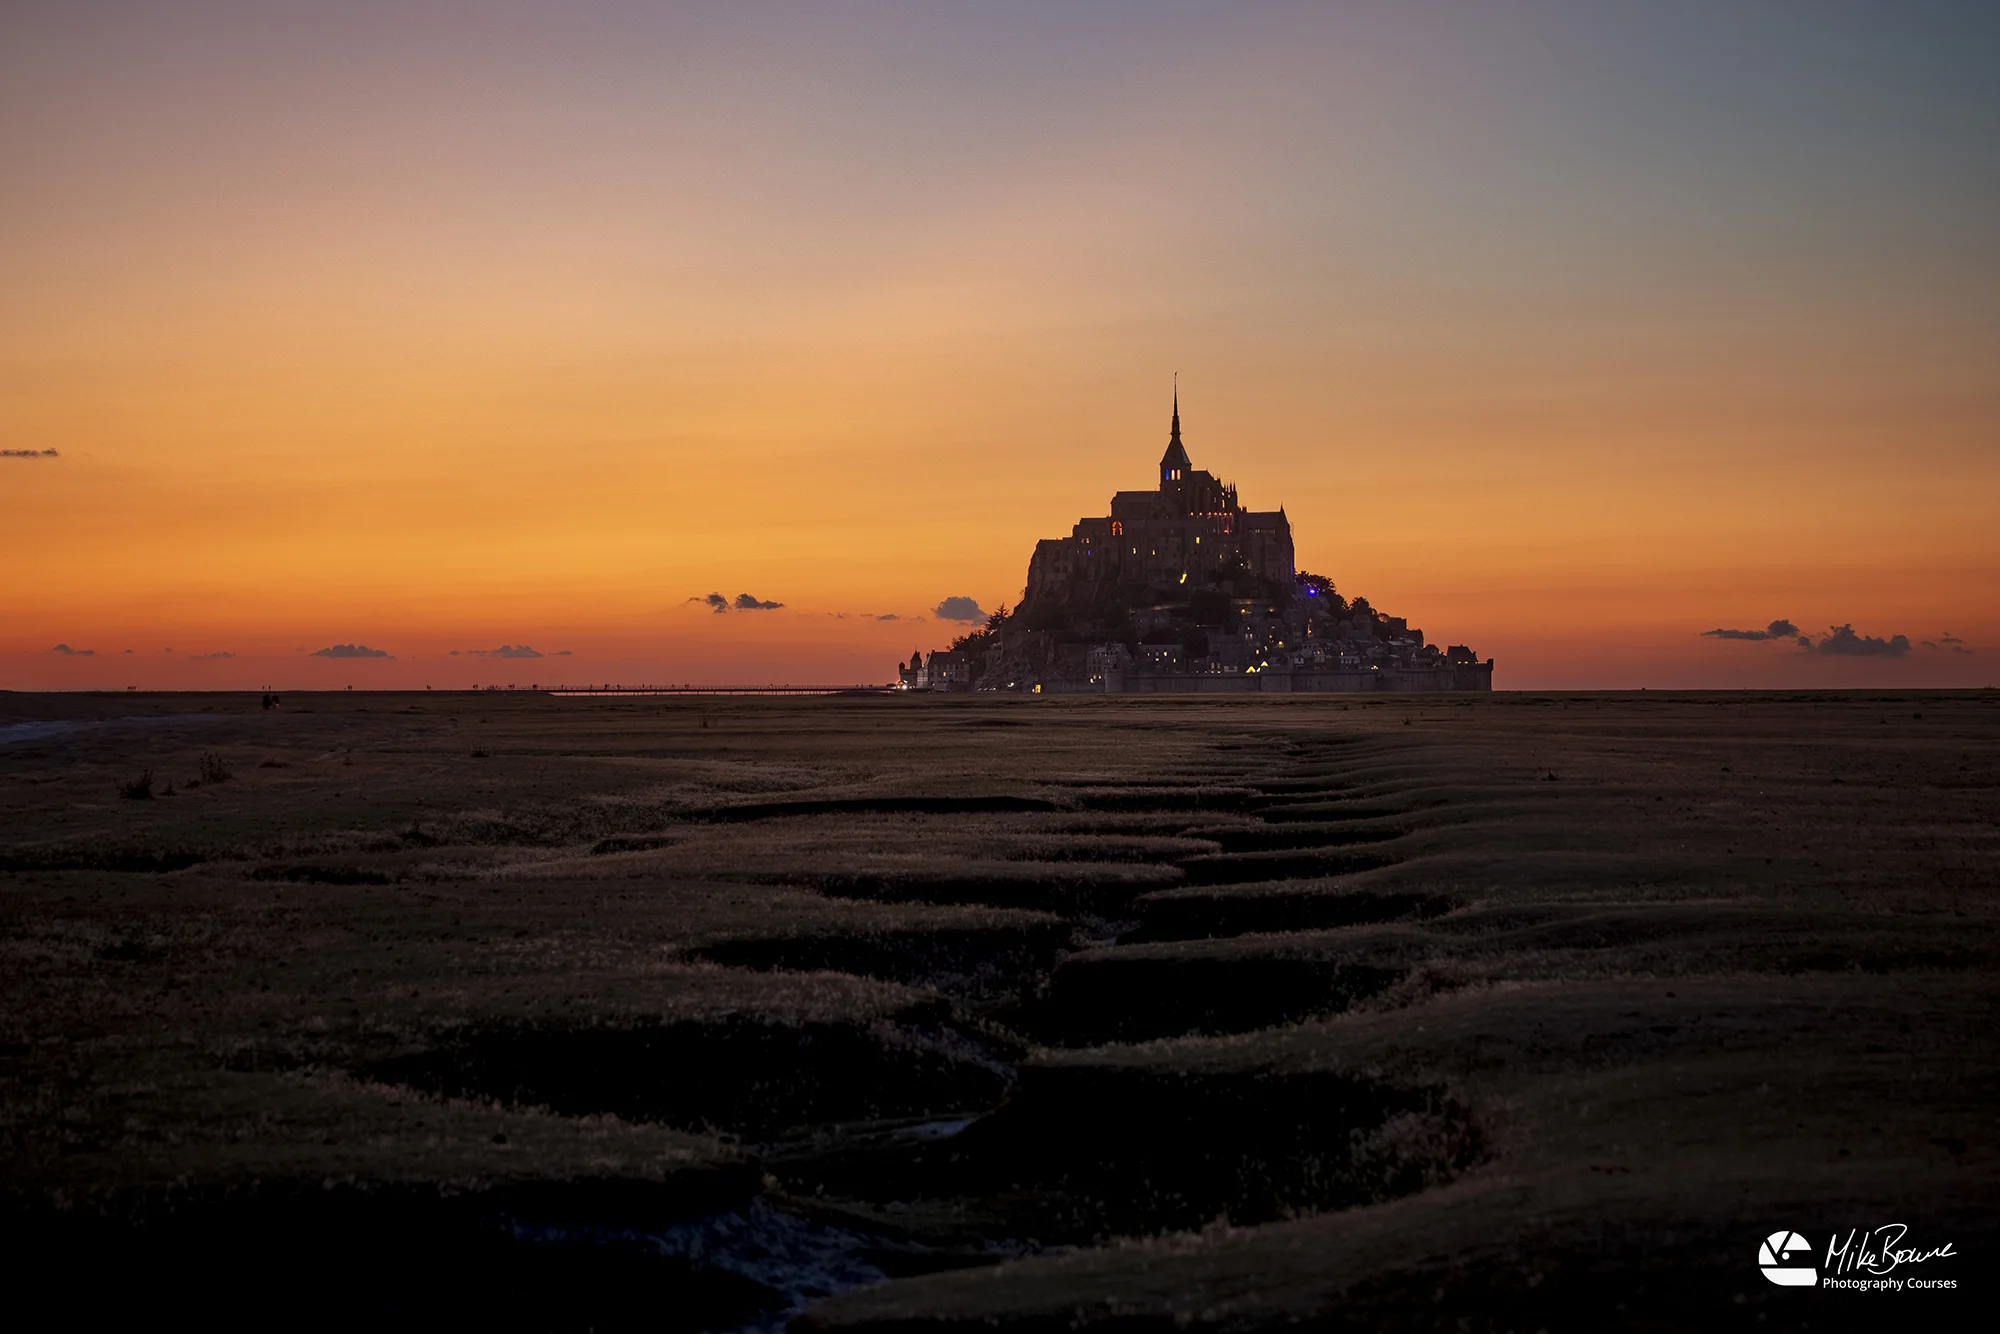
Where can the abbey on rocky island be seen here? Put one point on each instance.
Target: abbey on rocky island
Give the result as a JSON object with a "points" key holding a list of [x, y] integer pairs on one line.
{"points": [[1182, 589]]}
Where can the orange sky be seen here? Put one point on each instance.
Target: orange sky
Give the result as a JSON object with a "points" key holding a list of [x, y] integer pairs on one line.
{"points": [[1567, 339]]}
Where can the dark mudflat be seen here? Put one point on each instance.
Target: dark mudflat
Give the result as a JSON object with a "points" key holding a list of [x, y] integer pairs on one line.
{"points": [[1490, 1011]]}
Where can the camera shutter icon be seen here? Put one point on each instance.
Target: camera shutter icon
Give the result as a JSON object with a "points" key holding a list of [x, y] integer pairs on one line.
{"points": [[1786, 1260]]}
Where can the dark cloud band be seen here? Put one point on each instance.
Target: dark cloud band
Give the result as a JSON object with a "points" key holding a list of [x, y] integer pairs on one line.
{"points": [[1780, 629], [1842, 642], [1839, 641], [718, 604]]}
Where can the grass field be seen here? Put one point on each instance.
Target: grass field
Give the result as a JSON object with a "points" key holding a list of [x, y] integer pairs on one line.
{"points": [[1495, 1011]]}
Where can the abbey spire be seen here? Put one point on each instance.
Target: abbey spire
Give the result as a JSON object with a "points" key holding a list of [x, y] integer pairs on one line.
{"points": [[1174, 464]]}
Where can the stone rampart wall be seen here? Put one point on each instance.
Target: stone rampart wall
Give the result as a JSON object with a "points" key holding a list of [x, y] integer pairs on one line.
{"points": [[1478, 676]]}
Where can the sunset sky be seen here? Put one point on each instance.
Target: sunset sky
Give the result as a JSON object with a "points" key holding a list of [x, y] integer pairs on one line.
{"points": [[1568, 331]]}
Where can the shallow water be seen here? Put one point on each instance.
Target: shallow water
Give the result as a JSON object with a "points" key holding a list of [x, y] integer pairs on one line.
{"points": [[37, 731], [800, 1260]]}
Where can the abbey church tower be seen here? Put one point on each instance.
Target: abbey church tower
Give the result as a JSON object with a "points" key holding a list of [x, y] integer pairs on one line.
{"points": [[1190, 530]]}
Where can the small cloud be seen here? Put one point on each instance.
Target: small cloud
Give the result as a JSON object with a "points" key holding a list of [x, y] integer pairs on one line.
{"points": [[745, 602], [561, 653], [958, 609], [350, 651], [69, 652], [504, 651], [206, 657], [714, 601], [1842, 642], [28, 454], [1947, 641], [128, 652], [892, 616], [1779, 629]]}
